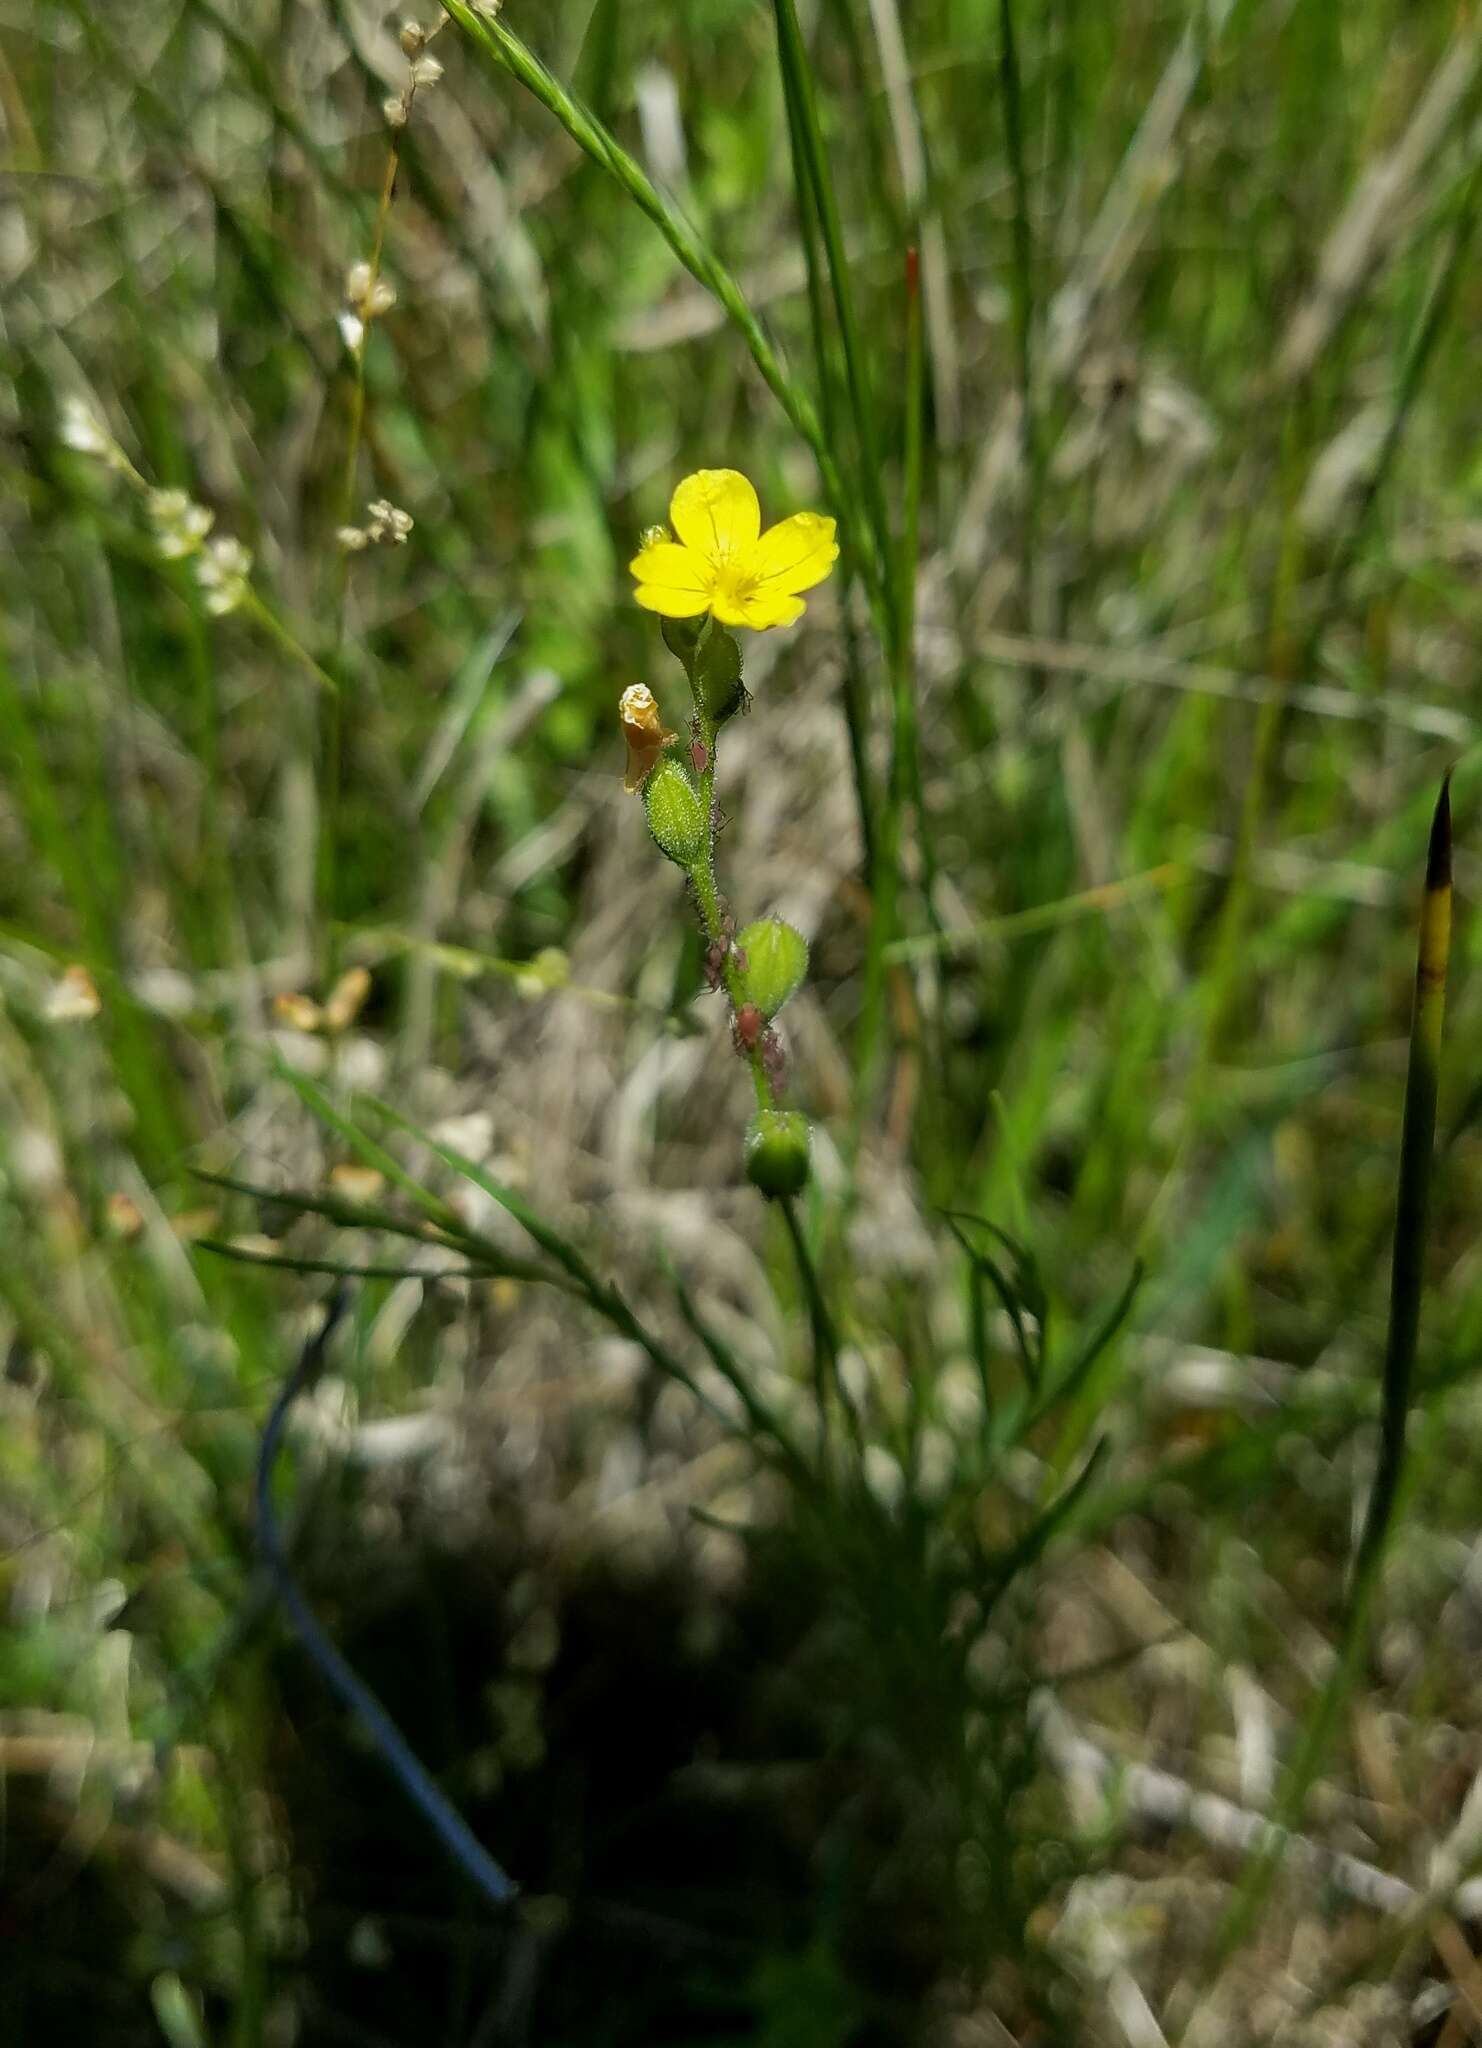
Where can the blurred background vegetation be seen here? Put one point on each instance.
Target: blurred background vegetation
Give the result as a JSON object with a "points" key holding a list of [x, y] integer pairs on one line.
{"points": [[1194, 643]]}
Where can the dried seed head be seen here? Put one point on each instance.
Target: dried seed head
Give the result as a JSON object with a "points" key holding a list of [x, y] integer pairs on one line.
{"points": [[643, 729], [346, 999], [73, 998], [358, 1184], [394, 111], [412, 37], [388, 522], [297, 1012], [426, 71], [122, 1217]]}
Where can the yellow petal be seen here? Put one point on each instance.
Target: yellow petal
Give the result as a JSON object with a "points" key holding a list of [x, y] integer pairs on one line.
{"points": [[758, 608], [793, 555], [672, 580], [715, 511]]}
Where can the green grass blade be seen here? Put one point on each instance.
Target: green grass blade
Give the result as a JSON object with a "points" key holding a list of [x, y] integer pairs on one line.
{"points": [[505, 48]]}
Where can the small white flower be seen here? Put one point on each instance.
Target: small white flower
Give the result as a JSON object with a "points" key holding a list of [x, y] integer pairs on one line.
{"points": [[413, 36], [81, 430], [394, 111], [388, 522], [352, 331], [426, 71], [352, 538], [229, 557], [180, 524], [382, 299], [357, 283], [222, 573]]}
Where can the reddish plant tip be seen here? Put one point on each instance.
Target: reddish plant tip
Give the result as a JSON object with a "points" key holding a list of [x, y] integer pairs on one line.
{"points": [[913, 271]]}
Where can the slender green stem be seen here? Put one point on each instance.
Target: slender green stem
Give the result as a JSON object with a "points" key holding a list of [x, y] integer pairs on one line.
{"points": [[798, 84], [826, 1380], [1022, 286], [1417, 1147], [707, 896], [505, 48]]}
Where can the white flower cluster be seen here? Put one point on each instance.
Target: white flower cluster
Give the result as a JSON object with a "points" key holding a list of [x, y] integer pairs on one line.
{"points": [[222, 566], [367, 297], [222, 571], [423, 70], [386, 522]]}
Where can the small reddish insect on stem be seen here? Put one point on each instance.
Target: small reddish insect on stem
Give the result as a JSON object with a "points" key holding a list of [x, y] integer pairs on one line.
{"points": [[747, 1027]]}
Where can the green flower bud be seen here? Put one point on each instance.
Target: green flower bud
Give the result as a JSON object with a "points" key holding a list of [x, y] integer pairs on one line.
{"points": [[715, 676], [776, 962], [676, 816], [777, 1143]]}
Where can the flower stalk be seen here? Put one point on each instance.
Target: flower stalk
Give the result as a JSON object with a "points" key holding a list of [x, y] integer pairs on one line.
{"points": [[720, 569]]}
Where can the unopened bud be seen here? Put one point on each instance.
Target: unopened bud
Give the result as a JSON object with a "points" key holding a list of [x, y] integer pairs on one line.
{"points": [[412, 37], [676, 817], [777, 1147], [776, 958]]}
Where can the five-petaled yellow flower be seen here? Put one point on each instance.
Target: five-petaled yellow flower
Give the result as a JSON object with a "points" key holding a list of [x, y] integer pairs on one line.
{"points": [[722, 562]]}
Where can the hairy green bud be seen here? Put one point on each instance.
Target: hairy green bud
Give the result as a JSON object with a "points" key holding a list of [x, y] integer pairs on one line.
{"points": [[676, 817], [777, 1146], [776, 962]]}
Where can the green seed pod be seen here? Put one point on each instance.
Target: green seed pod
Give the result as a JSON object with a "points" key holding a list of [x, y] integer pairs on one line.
{"points": [[675, 814], [776, 962], [777, 1145], [715, 676]]}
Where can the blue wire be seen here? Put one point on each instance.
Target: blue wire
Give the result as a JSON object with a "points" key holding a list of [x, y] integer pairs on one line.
{"points": [[416, 1781]]}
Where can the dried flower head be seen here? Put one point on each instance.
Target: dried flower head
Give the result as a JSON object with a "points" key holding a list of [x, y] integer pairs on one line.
{"points": [[722, 563], [346, 999], [388, 522], [426, 71], [643, 729], [297, 1012], [73, 998]]}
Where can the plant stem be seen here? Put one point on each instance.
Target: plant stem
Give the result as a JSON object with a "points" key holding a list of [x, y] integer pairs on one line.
{"points": [[707, 895]]}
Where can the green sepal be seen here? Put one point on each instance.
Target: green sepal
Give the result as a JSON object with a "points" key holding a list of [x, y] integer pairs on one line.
{"points": [[715, 676], [682, 637], [776, 963], [676, 817], [778, 1142]]}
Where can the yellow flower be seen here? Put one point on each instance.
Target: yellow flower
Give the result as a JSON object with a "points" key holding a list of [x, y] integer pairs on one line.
{"points": [[722, 562], [643, 729]]}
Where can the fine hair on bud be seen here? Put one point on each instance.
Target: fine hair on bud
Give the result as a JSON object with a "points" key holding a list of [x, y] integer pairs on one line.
{"points": [[676, 816]]}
